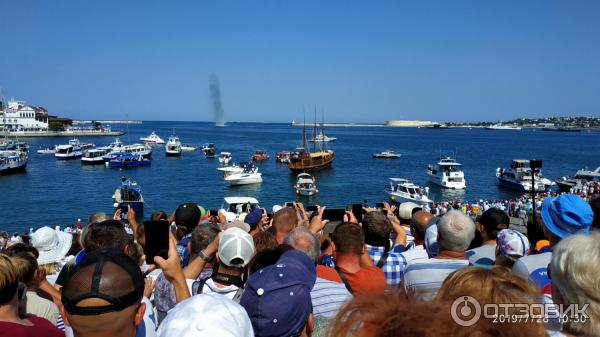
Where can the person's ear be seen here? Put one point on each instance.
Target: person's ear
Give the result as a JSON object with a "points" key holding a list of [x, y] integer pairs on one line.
{"points": [[310, 325], [63, 313], [139, 315], [189, 246]]}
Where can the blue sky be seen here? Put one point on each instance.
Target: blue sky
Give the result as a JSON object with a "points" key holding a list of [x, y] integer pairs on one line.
{"points": [[359, 61]]}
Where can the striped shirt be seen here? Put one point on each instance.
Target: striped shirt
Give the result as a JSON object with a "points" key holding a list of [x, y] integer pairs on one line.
{"points": [[484, 255], [327, 297], [425, 277]]}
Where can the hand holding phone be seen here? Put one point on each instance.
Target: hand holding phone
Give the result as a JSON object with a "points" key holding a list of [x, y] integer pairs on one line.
{"points": [[156, 239]]}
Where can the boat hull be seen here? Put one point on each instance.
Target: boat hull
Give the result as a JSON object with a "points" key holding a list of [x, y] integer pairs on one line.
{"points": [[516, 186], [15, 169], [120, 164], [173, 153], [244, 181], [68, 157], [452, 185], [309, 164], [95, 161], [401, 198], [377, 156]]}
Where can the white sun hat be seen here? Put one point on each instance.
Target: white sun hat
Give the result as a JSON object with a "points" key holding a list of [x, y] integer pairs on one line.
{"points": [[52, 245]]}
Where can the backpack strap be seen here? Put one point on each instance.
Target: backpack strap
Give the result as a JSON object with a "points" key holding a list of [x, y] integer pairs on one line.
{"points": [[386, 253], [198, 286], [344, 279], [237, 297]]}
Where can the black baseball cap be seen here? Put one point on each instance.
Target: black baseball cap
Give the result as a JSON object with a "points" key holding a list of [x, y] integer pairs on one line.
{"points": [[106, 274], [187, 217]]}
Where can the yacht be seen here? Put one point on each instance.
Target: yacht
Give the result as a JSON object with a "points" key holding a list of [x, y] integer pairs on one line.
{"points": [[518, 177], [249, 175], [283, 157], [403, 190], [143, 150], [12, 161], [503, 127], [259, 155], [565, 183], [72, 150], [229, 170], [94, 156], [173, 147], [302, 160], [305, 185], [447, 173], [47, 150], [125, 160], [322, 138], [129, 193], [188, 148], [238, 205], [224, 158], [152, 138], [209, 150], [387, 154]]}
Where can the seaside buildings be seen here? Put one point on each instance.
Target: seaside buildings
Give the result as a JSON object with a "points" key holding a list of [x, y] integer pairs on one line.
{"points": [[19, 116]]}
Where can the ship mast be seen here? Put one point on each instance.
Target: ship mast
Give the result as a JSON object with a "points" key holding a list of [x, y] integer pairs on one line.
{"points": [[315, 132], [304, 132]]}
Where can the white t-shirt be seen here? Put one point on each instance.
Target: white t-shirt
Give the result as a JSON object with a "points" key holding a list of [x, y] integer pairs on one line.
{"points": [[424, 278], [211, 287], [485, 255], [534, 268]]}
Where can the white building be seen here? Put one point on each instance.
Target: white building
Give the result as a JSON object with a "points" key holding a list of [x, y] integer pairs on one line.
{"points": [[18, 116]]}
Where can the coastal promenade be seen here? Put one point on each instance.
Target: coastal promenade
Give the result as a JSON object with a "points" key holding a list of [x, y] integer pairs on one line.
{"points": [[86, 133]]}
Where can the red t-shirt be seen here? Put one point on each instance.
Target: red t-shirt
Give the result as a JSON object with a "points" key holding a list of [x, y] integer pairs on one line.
{"points": [[365, 281], [41, 328]]}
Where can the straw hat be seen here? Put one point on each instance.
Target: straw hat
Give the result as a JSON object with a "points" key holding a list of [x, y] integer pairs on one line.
{"points": [[52, 245]]}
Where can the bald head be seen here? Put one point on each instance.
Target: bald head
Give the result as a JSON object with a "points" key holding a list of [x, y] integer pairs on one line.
{"points": [[419, 223], [284, 221]]}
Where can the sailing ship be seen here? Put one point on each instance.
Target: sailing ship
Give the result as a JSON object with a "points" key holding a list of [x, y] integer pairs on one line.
{"points": [[302, 160]]}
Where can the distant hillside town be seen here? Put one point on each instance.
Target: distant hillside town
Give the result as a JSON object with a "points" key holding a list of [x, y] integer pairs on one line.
{"points": [[569, 122], [17, 116]]}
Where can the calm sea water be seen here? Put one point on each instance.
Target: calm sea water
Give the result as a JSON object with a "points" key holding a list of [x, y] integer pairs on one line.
{"points": [[58, 192]]}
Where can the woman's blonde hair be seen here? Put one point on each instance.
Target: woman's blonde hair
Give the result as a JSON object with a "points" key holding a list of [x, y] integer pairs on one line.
{"points": [[8, 279], [50, 268], [574, 270]]}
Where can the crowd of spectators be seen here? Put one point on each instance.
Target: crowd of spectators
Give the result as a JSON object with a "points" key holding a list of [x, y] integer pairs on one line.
{"points": [[390, 271]]}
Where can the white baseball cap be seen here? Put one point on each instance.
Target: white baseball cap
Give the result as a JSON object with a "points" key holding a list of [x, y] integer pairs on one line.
{"points": [[236, 247], [206, 315], [52, 245], [405, 210]]}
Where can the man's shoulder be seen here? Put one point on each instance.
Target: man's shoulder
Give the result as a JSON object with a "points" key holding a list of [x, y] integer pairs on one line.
{"points": [[436, 264], [328, 273]]}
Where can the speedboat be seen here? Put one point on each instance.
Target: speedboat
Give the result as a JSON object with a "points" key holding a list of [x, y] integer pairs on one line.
{"points": [[94, 156], [72, 150], [249, 175], [388, 154], [447, 173], [229, 170], [259, 155], [209, 150], [322, 138], [143, 150], [173, 147], [12, 161], [14, 145], [224, 158], [403, 190], [124, 160], [153, 138], [503, 127], [188, 148], [129, 193], [518, 177], [305, 185], [283, 157], [566, 183], [47, 150], [238, 205]]}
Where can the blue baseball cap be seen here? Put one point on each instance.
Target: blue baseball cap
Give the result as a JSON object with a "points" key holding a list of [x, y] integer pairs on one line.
{"points": [[277, 297], [566, 215], [253, 218]]}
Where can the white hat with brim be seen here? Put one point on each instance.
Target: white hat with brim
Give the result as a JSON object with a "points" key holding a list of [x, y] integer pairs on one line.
{"points": [[52, 245]]}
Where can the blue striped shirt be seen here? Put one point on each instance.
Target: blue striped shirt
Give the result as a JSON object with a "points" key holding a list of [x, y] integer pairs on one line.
{"points": [[425, 277], [327, 297]]}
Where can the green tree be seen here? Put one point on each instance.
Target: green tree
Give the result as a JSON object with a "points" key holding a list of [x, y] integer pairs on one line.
{"points": [[55, 126]]}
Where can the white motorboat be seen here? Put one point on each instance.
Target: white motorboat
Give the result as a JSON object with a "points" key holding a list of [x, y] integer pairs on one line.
{"points": [[224, 158], [565, 183], [403, 190], [153, 138], [447, 173], [305, 185], [518, 177], [12, 161], [229, 170], [387, 154], [72, 150], [322, 138], [173, 147], [209, 150], [47, 150], [188, 148], [503, 127], [249, 175], [143, 150], [94, 156], [239, 205]]}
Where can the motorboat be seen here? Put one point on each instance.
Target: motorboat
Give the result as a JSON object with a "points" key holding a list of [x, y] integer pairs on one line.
{"points": [[447, 173], [14, 145], [188, 148], [224, 158], [143, 150], [387, 154], [94, 156], [249, 175], [229, 170], [209, 150], [518, 177], [125, 160], [239, 205], [322, 138], [153, 138], [259, 155], [305, 185], [72, 150], [129, 193], [503, 127], [12, 161], [173, 147], [47, 150], [566, 183], [562, 128], [403, 190], [283, 157]]}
